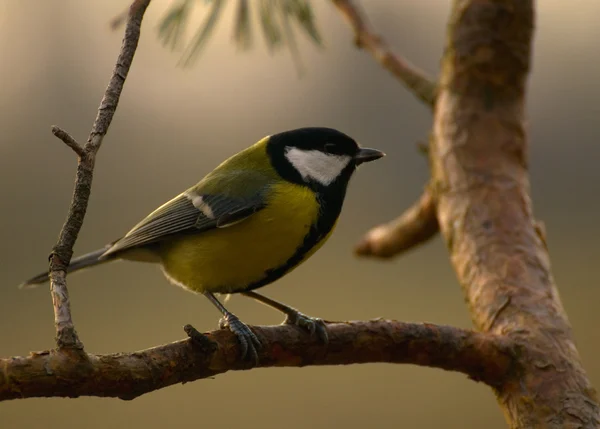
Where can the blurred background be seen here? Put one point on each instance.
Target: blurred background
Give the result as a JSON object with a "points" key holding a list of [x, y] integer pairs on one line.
{"points": [[175, 124]]}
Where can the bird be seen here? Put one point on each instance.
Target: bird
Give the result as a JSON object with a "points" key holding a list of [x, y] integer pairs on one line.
{"points": [[253, 219]]}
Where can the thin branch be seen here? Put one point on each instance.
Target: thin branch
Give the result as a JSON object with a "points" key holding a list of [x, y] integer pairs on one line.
{"points": [[416, 80], [415, 226], [419, 223], [68, 140], [483, 357], [66, 336]]}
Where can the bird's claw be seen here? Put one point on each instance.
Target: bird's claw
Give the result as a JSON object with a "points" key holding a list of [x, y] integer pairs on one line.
{"points": [[313, 325], [249, 342]]}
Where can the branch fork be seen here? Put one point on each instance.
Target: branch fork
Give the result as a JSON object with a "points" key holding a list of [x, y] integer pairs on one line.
{"points": [[69, 141], [66, 336]]}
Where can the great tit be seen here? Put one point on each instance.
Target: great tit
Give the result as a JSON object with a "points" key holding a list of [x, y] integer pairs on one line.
{"points": [[253, 219]]}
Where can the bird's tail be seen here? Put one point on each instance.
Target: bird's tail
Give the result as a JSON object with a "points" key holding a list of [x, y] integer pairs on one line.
{"points": [[79, 263]]}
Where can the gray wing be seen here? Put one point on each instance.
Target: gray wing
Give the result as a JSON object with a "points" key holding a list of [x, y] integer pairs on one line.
{"points": [[188, 213]]}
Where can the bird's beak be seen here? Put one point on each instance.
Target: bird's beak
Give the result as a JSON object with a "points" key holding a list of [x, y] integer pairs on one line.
{"points": [[366, 154]]}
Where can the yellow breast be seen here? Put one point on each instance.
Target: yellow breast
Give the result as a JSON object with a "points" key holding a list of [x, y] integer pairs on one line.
{"points": [[229, 259]]}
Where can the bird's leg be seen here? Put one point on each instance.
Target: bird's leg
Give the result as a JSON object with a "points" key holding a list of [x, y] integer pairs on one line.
{"points": [[249, 342], [293, 317]]}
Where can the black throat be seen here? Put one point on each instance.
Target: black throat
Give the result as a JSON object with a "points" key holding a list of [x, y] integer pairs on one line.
{"points": [[330, 198], [330, 206]]}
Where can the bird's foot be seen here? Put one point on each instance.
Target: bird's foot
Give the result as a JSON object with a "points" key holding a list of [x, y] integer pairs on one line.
{"points": [[249, 342], [313, 325]]}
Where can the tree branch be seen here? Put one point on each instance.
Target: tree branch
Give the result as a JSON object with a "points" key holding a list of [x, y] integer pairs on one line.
{"points": [[66, 336], [419, 223], [479, 165], [415, 226], [416, 80], [68, 140], [483, 357]]}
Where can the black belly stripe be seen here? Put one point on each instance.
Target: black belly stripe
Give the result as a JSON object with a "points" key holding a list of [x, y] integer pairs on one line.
{"points": [[330, 208]]}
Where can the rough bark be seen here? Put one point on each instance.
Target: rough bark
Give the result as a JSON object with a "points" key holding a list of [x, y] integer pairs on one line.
{"points": [[479, 167], [66, 335], [128, 375]]}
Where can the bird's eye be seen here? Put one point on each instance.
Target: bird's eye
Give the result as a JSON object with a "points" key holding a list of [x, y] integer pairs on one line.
{"points": [[329, 147]]}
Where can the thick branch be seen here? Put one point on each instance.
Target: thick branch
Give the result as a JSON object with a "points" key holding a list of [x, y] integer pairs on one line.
{"points": [[66, 336], [415, 226], [479, 166], [416, 80], [483, 357]]}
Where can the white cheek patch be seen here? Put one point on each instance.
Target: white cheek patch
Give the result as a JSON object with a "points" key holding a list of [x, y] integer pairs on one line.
{"points": [[316, 165], [199, 203]]}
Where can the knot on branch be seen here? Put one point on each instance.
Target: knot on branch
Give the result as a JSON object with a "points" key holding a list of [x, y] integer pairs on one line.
{"points": [[67, 340], [59, 257]]}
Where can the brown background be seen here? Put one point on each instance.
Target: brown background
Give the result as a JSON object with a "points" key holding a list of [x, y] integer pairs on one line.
{"points": [[174, 125]]}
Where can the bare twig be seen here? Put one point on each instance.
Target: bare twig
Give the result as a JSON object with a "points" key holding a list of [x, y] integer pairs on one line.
{"points": [[419, 223], [416, 80], [68, 140], [66, 336], [415, 226], [483, 357]]}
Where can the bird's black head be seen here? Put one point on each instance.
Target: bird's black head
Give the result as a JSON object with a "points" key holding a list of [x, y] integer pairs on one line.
{"points": [[321, 158]]}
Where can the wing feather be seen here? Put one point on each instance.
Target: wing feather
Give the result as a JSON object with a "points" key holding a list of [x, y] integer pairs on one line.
{"points": [[189, 212]]}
